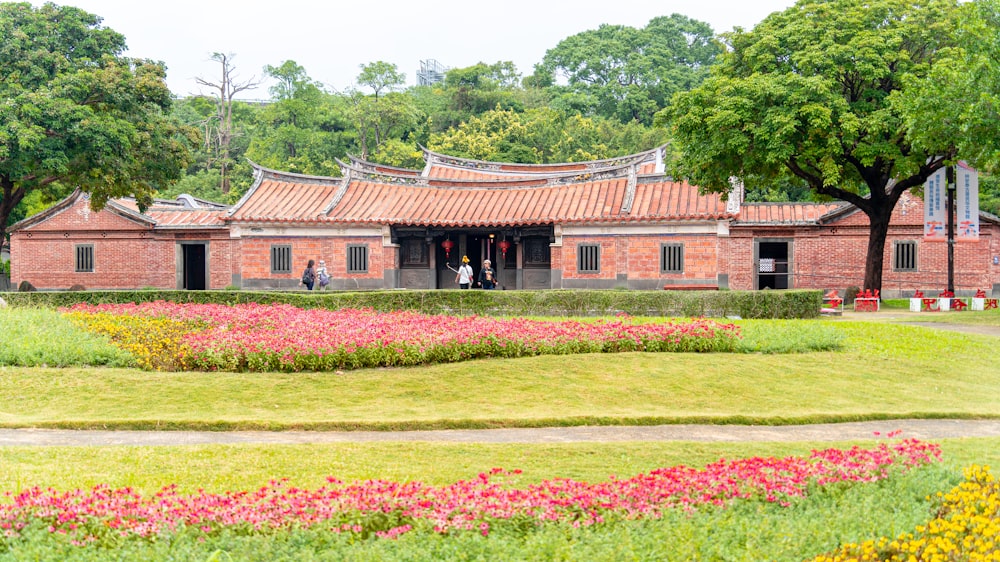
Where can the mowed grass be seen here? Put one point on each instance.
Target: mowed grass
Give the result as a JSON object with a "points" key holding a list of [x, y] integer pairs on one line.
{"points": [[42, 337], [218, 468], [882, 370], [870, 371]]}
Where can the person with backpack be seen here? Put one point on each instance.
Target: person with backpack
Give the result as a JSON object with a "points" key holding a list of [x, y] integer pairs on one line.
{"points": [[322, 275], [464, 277], [309, 275]]}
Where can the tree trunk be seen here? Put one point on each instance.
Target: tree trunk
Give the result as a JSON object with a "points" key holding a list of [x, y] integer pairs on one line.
{"points": [[877, 232], [11, 197]]}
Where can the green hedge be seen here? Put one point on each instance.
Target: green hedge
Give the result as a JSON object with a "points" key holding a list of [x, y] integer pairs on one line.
{"points": [[745, 304]]}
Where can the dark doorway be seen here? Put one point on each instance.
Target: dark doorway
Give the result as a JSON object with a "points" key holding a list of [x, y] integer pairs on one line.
{"points": [[194, 267], [772, 265], [476, 246]]}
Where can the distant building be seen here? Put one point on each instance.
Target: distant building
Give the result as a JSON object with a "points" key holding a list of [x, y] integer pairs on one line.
{"points": [[615, 223], [431, 72]]}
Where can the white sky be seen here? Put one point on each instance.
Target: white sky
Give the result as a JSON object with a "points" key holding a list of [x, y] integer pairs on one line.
{"points": [[332, 38]]}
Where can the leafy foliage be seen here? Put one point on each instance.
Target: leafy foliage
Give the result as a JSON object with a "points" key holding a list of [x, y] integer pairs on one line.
{"points": [[45, 338], [79, 113], [629, 74], [810, 94]]}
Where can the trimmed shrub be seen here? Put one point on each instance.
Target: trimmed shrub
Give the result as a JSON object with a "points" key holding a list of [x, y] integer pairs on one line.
{"points": [[743, 304]]}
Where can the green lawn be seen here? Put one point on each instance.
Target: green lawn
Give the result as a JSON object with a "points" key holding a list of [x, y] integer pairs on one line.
{"points": [[879, 369], [884, 370], [241, 467]]}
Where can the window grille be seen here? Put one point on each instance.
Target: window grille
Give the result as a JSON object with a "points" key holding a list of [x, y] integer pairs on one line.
{"points": [[672, 258], [281, 259], [905, 256], [588, 258], [537, 253], [85, 258], [357, 259]]}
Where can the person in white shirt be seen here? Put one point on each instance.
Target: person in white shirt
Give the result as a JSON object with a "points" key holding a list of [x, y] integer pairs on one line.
{"points": [[464, 277]]}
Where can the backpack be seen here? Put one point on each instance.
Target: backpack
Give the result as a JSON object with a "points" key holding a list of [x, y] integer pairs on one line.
{"points": [[324, 279], [307, 276]]}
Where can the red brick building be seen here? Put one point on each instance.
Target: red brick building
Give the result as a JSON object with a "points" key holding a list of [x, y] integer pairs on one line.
{"points": [[601, 224]]}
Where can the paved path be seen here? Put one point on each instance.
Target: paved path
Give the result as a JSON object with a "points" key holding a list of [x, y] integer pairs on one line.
{"points": [[919, 429]]}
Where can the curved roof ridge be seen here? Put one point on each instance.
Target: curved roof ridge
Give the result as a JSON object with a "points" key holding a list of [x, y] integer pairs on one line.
{"points": [[366, 164], [514, 181], [268, 173], [437, 158]]}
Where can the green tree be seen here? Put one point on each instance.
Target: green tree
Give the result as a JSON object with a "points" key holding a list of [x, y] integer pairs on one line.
{"points": [[544, 135], [808, 94], [387, 113], [956, 104], [303, 129], [627, 73], [220, 130], [76, 112], [201, 178]]}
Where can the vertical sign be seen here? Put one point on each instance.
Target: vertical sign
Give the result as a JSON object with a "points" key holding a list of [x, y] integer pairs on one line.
{"points": [[935, 215], [967, 198]]}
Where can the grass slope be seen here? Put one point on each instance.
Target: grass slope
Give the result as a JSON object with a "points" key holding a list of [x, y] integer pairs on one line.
{"points": [[883, 371]]}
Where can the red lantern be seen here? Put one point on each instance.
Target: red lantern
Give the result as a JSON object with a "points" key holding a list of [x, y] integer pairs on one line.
{"points": [[447, 245], [504, 246]]}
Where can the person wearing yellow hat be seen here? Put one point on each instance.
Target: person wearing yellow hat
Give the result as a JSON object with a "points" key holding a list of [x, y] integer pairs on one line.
{"points": [[464, 277]]}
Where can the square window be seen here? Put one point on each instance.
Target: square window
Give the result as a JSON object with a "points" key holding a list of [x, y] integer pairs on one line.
{"points": [[281, 259], [588, 258], [537, 253], [413, 253], [357, 258], [904, 256], [85, 258], [672, 258]]}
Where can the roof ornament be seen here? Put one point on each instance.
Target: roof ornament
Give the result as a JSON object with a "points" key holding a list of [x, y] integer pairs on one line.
{"points": [[629, 191], [736, 194]]}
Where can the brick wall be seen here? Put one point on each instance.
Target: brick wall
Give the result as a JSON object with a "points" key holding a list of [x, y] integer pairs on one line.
{"points": [[255, 258], [833, 255], [638, 257]]}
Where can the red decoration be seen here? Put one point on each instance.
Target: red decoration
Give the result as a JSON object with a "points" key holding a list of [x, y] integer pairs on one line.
{"points": [[447, 245], [504, 246], [866, 301], [980, 294]]}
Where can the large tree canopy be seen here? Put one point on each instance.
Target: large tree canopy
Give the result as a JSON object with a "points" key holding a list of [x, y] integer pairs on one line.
{"points": [[628, 73], [958, 101], [76, 112], [812, 93]]}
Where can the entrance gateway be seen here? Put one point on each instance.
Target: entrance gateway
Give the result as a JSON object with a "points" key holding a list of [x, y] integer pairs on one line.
{"points": [[520, 256]]}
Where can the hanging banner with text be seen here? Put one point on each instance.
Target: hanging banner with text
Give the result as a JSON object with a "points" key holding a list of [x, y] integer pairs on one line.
{"points": [[935, 213], [967, 198]]}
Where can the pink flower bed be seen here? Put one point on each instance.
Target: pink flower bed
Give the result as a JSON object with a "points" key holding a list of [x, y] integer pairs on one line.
{"points": [[254, 337], [365, 507]]}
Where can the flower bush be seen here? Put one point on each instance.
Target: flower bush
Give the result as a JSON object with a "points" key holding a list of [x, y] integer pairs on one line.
{"points": [[254, 337], [388, 509], [966, 527]]}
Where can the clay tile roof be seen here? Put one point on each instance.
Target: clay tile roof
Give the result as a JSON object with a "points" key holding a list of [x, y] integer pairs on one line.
{"points": [[449, 172], [376, 195], [283, 197], [188, 218], [785, 213], [185, 212], [477, 204]]}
